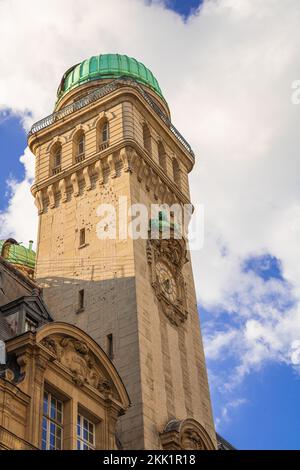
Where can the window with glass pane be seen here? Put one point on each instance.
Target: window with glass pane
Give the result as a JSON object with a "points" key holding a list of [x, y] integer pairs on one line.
{"points": [[81, 144], [52, 429], [105, 132], [85, 434], [30, 325], [57, 157]]}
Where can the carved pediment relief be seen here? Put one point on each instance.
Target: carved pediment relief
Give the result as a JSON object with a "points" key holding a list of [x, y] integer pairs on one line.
{"points": [[76, 356], [187, 434]]}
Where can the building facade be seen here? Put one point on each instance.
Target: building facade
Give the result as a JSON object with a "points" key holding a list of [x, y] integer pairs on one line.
{"points": [[110, 143], [58, 388]]}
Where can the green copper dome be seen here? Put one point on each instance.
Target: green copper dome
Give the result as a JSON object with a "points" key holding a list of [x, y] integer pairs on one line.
{"points": [[163, 224], [17, 254], [105, 66]]}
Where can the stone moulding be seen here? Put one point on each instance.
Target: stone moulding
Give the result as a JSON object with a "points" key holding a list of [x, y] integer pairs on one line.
{"points": [[11, 441]]}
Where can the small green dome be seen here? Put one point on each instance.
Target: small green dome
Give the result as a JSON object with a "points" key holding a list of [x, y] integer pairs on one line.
{"points": [[17, 254], [105, 66]]}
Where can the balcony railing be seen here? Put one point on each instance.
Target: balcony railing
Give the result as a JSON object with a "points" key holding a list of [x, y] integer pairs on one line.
{"points": [[105, 90], [103, 145], [80, 158], [56, 170]]}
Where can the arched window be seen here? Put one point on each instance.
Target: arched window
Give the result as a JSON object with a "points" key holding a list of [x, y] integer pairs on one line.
{"points": [[105, 132], [162, 155], [55, 158], [146, 138], [103, 135], [79, 146], [176, 171]]}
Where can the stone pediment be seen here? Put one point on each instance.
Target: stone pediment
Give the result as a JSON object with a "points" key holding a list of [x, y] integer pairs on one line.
{"points": [[82, 360], [76, 356]]}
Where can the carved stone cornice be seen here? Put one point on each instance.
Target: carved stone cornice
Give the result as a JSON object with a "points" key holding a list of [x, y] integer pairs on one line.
{"points": [[127, 155]]}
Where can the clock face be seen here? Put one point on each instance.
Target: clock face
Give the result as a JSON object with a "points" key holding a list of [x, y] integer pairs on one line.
{"points": [[166, 281]]}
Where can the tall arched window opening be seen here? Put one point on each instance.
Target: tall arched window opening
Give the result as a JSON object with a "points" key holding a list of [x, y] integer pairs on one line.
{"points": [[176, 171], [162, 156], [56, 158], [79, 146], [102, 135], [147, 138]]}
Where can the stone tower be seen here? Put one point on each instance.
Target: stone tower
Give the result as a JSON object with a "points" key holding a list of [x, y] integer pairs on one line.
{"points": [[110, 141]]}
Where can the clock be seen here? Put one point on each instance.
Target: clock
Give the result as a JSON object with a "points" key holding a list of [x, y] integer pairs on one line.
{"points": [[166, 259], [166, 281]]}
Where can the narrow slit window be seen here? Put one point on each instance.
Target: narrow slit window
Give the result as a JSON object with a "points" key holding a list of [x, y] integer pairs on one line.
{"points": [[110, 346], [82, 237], [81, 299]]}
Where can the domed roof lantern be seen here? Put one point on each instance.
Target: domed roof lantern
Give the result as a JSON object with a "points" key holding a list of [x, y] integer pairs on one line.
{"points": [[107, 66]]}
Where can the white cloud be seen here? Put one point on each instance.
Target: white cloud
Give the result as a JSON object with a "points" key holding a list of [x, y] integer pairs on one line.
{"points": [[227, 410], [19, 220], [227, 74]]}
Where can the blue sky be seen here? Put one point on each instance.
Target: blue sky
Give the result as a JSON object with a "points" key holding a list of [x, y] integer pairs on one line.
{"points": [[261, 410], [183, 7], [249, 262], [12, 144]]}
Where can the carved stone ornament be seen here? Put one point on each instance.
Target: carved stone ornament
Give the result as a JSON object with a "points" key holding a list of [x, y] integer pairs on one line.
{"points": [[78, 359], [187, 434], [166, 258]]}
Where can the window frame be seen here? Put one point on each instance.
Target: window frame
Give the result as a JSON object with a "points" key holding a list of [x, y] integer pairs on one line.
{"points": [[104, 132], [81, 143], [110, 345], [81, 300], [49, 420], [82, 237], [57, 157], [80, 439], [30, 322]]}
